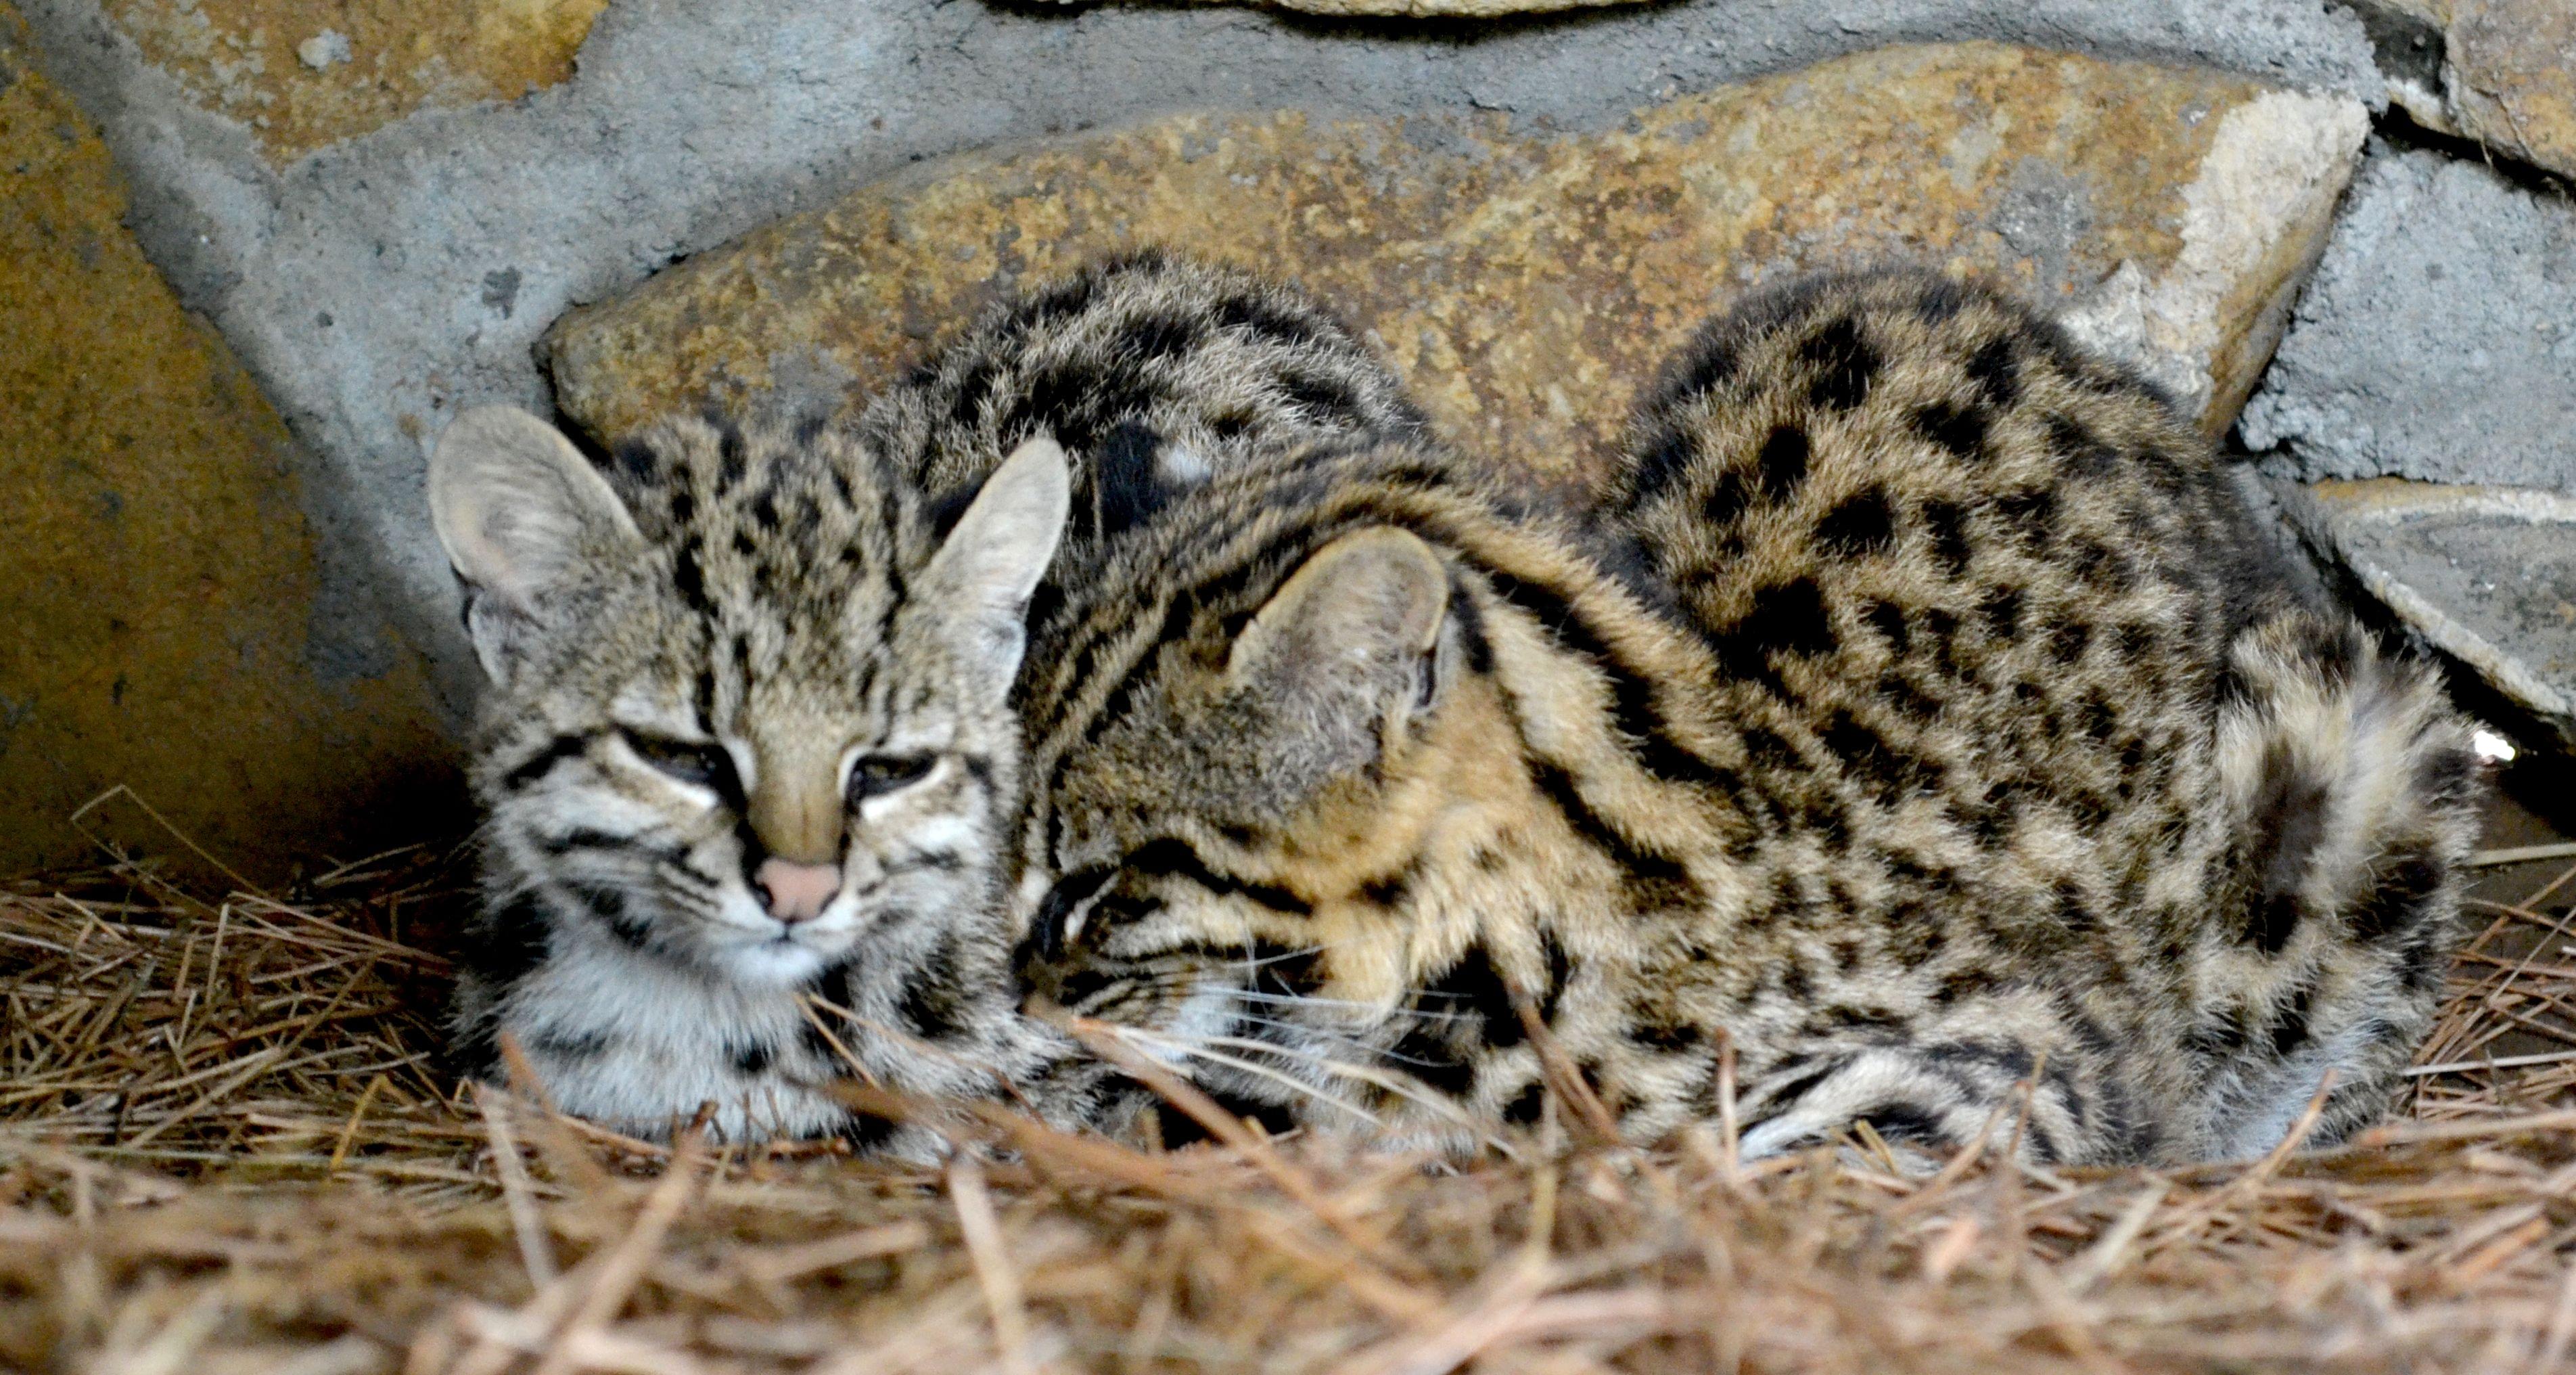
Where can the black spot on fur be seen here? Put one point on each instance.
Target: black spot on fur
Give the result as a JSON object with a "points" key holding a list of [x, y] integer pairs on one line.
{"points": [[1948, 524], [1655, 1032], [2290, 1028], [1324, 398], [1782, 461], [2396, 902], [753, 1057], [2001, 610], [1662, 458], [1888, 619], [1997, 375], [2068, 641], [1845, 364], [730, 458], [511, 941], [865, 1131], [1260, 317], [2284, 826], [1125, 488], [2078, 447], [1961, 432], [1862, 525], [1785, 618], [831, 986], [613, 910], [1155, 337], [1527, 1106], [934, 1005], [1725, 499], [636, 460], [2032, 512], [1707, 362]]}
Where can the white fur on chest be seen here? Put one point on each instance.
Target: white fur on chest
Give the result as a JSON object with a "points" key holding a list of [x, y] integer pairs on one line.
{"points": [[635, 1043]]}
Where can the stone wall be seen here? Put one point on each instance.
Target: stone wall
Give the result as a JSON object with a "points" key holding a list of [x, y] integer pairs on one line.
{"points": [[387, 213]]}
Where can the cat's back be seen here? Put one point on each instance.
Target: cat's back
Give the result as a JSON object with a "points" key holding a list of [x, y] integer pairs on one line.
{"points": [[1950, 558]]}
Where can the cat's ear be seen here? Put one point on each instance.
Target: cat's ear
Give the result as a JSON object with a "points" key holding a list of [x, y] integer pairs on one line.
{"points": [[1349, 646], [523, 516], [980, 581]]}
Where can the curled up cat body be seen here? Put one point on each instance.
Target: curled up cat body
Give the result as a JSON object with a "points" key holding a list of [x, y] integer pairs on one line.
{"points": [[747, 756], [1919, 729]]}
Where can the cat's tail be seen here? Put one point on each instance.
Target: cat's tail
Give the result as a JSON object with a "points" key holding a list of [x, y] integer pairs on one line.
{"points": [[2355, 796]]}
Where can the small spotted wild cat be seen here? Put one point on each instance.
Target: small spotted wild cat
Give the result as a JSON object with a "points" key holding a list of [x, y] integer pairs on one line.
{"points": [[747, 735], [1920, 722]]}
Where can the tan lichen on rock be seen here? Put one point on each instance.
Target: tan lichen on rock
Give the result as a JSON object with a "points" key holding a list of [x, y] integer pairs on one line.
{"points": [[2254, 222], [306, 73], [1526, 284], [2510, 74], [158, 576]]}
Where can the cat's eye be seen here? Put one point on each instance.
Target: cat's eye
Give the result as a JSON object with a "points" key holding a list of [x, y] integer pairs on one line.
{"points": [[707, 766], [875, 775]]}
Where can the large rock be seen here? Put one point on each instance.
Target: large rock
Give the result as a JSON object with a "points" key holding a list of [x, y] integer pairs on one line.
{"points": [[2504, 74], [1435, 9], [304, 73], [2438, 340], [1526, 283], [158, 583], [2486, 574]]}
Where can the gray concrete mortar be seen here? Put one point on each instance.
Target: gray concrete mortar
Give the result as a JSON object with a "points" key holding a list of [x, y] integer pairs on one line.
{"points": [[376, 286], [2437, 340]]}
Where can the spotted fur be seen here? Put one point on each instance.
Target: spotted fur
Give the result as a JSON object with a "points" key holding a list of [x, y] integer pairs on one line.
{"points": [[1919, 724], [1153, 371], [740, 645]]}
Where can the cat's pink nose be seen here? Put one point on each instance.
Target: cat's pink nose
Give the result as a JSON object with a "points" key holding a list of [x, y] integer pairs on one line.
{"points": [[797, 892]]}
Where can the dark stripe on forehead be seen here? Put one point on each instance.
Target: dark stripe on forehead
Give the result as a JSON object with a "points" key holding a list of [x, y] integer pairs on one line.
{"points": [[1173, 857], [538, 765]]}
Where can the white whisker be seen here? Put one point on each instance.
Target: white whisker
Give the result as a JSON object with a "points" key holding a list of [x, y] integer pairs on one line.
{"points": [[1395, 1084], [1192, 1047]]}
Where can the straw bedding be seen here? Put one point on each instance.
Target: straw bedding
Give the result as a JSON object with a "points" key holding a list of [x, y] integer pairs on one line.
{"points": [[225, 1146]]}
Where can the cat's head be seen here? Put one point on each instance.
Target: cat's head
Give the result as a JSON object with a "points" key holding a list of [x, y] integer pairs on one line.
{"points": [[749, 695], [1231, 831]]}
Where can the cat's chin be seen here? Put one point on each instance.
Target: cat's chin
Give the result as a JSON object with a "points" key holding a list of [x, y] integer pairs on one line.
{"points": [[773, 964]]}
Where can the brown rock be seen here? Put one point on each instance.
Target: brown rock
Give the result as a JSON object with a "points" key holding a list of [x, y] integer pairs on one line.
{"points": [[2510, 78], [158, 578], [304, 73], [1526, 283]]}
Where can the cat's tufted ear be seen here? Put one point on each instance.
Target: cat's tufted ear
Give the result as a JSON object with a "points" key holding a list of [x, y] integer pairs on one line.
{"points": [[523, 517], [1348, 648], [980, 581]]}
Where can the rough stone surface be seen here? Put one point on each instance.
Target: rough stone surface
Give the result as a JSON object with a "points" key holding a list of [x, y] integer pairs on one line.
{"points": [[2500, 71], [440, 246], [2486, 574], [158, 580], [2438, 338], [305, 73], [1524, 284], [1437, 9], [2510, 76]]}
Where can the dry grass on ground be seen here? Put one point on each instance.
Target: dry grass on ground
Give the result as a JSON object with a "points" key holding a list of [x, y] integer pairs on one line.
{"points": [[224, 1147]]}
